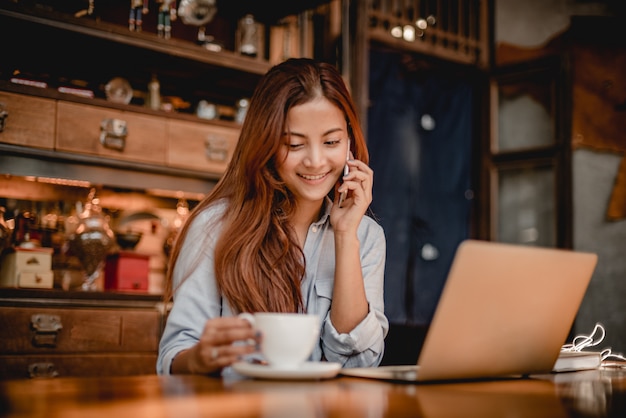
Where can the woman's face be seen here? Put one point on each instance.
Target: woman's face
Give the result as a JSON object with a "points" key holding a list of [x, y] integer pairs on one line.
{"points": [[315, 149]]}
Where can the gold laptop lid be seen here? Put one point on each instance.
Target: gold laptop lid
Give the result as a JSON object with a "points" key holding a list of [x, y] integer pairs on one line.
{"points": [[505, 310]]}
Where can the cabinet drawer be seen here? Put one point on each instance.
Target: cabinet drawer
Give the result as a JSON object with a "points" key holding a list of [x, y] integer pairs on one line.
{"points": [[84, 365], [200, 146], [30, 121], [79, 130], [29, 330]]}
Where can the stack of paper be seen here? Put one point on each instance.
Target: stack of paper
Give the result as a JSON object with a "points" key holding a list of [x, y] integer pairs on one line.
{"points": [[569, 361]]}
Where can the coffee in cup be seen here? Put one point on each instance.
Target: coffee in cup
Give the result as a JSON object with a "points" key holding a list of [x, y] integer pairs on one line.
{"points": [[287, 339]]}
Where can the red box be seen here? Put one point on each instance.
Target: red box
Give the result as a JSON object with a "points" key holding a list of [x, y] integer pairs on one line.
{"points": [[127, 271]]}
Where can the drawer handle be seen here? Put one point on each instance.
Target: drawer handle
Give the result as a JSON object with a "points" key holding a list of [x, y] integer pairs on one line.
{"points": [[33, 261], [113, 134], [3, 115], [46, 329], [38, 370], [216, 148]]}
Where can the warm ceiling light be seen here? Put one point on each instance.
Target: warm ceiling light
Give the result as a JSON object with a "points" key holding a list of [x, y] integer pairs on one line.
{"points": [[63, 182], [421, 24], [177, 194], [396, 32], [408, 33]]}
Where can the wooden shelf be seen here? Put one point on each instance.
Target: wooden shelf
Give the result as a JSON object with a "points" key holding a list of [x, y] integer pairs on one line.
{"points": [[46, 41], [118, 34], [53, 297]]}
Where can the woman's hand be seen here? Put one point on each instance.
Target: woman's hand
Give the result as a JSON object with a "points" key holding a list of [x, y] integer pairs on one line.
{"points": [[223, 342], [358, 183], [350, 305]]}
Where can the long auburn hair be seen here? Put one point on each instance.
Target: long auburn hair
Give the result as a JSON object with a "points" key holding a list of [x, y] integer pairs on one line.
{"points": [[258, 262]]}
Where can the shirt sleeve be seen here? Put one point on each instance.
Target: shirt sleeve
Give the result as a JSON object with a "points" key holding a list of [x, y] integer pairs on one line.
{"points": [[194, 284], [364, 345]]}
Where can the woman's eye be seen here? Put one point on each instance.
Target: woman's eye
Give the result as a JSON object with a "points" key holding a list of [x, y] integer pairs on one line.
{"points": [[333, 141], [295, 146]]}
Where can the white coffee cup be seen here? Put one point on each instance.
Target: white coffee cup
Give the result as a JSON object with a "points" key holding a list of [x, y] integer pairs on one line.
{"points": [[287, 339]]}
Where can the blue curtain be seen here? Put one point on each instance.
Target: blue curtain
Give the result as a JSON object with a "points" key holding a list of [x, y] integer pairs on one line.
{"points": [[420, 141]]}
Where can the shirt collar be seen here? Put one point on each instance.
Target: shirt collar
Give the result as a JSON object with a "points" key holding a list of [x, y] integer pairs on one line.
{"points": [[325, 214]]}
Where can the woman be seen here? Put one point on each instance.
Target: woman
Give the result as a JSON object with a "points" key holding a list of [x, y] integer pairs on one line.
{"points": [[269, 238]]}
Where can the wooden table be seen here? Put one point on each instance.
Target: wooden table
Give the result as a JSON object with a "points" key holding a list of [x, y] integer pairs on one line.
{"points": [[582, 394]]}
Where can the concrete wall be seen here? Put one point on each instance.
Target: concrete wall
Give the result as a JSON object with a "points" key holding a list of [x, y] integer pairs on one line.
{"points": [[532, 23], [605, 302]]}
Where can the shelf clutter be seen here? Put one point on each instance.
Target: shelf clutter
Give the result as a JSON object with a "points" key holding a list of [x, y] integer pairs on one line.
{"points": [[91, 97], [211, 52]]}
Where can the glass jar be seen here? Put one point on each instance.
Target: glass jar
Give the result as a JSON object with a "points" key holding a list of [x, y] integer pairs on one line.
{"points": [[92, 240], [248, 36]]}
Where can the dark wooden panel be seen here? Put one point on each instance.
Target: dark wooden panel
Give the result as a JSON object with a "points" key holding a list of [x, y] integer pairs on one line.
{"points": [[17, 367], [83, 330]]}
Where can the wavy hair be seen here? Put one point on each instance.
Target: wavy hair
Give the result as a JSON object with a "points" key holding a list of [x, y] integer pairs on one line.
{"points": [[259, 264]]}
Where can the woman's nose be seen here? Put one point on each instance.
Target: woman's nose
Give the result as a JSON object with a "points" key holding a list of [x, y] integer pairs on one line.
{"points": [[313, 157]]}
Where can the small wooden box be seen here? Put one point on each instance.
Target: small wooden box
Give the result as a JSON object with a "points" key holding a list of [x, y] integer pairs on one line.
{"points": [[127, 271], [27, 267]]}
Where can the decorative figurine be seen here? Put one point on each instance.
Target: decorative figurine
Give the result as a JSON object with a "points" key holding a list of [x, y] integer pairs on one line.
{"points": [[88, 11], [167, 14], [138, 8]]}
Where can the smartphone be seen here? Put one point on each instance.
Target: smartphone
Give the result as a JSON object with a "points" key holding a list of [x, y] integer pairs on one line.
{"points": [[346, 171]]}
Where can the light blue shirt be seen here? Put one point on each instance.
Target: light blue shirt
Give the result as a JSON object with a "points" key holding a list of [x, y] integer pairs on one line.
{"points": [[198, 298]]}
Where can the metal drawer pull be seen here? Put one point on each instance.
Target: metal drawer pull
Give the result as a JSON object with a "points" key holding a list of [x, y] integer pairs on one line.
{"points": [[38, 370], [33, 261], [3, 115], [216, 148], [46, 329], [113, 133]]}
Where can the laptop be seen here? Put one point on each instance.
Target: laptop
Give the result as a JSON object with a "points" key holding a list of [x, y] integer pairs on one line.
{"points": [[505, 311]]}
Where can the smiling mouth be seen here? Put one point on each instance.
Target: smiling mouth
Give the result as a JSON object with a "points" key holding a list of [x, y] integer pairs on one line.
{"points": [[312, 178]]}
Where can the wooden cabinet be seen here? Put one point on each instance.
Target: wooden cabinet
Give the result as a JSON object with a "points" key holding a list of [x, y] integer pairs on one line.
{"points": [[85, 129], [29, 120], [51, 133], [54, 333]]}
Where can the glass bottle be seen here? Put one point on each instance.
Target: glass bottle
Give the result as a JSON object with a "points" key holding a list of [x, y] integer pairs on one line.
{"points": [[154, 93]]}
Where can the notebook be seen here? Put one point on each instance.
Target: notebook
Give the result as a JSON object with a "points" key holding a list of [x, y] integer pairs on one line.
{"points": [[505, 311]]}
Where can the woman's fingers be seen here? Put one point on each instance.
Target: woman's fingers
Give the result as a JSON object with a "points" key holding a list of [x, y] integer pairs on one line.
{"points": [[360, 171], [218, 346], [359, 180], [226, 330], [219, 356]]}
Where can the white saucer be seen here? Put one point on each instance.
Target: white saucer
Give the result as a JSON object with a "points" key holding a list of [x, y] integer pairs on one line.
{"points": [[306, 371]]}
